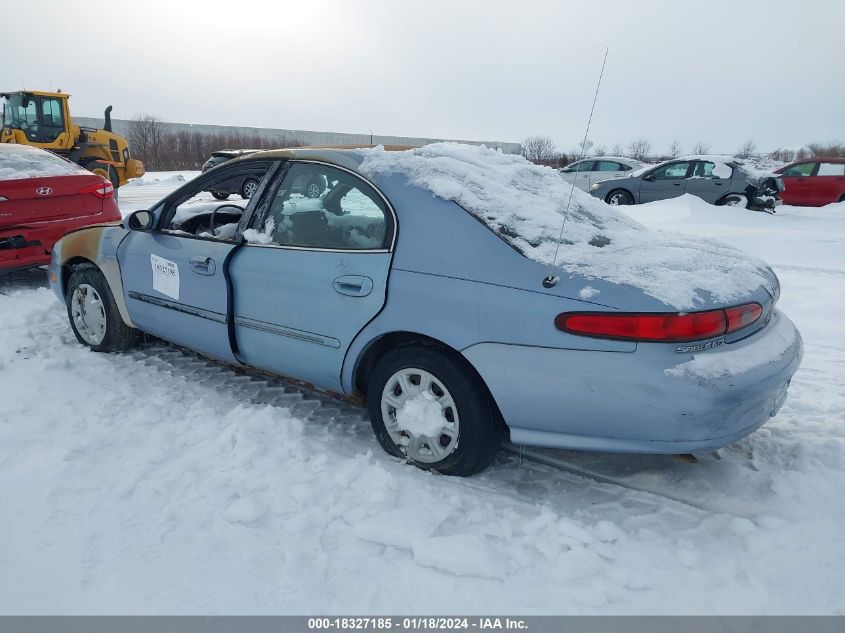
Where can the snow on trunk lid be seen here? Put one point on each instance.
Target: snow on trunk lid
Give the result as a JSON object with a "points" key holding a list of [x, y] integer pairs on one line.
{"points": [[524, 204]]}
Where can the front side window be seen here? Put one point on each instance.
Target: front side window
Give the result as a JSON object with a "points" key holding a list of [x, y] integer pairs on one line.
{"points": [[198, 213], [671, 172], [317, 206], [804, 169]]}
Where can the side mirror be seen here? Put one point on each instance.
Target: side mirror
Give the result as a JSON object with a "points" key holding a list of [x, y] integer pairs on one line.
{"points": [[140, 221], [649, 177]]}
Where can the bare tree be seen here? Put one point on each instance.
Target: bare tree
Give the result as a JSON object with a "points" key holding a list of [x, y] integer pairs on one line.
{"points": [[675, 149], [639, 149], [539, 149], [700, 148], [747, 150], [601, 150], [618, 149], [146, 138], [827, 149]]}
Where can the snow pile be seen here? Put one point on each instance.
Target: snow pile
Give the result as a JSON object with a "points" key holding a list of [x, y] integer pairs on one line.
{"points": [[524, 204], [175, 179], [18, 162]]}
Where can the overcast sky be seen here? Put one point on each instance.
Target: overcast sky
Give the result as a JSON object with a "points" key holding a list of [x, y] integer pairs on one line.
{"points": [[696, 70]]}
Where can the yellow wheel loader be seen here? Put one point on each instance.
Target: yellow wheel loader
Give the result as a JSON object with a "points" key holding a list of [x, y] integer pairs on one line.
{"points": [[42, 119]]}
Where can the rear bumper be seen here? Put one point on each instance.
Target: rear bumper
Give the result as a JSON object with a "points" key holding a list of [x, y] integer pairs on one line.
{"points": [[648, 401], [30, 245]]}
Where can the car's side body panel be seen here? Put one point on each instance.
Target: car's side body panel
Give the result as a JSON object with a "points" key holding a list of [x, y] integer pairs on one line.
{"points": [[176, 288], [641, 402], [95, 244], [296, 311]]}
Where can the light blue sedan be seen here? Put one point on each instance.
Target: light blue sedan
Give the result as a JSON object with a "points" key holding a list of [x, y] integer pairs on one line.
{"points": [[431, 285]]}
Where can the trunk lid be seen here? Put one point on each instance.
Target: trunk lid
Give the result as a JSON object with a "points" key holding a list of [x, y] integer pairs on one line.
{"points": [[48, 199]]}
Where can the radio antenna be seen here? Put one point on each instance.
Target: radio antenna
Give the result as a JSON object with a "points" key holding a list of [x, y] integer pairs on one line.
{"points": [[551, 280]]}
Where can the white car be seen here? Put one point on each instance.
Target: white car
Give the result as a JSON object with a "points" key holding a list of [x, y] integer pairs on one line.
{"points": [[587, 172]]}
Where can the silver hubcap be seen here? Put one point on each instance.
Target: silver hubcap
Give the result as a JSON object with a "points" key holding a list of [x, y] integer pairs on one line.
{"points": [[617, 199], [89, 314], [733, 202], [313, 191], [249, 189], [415, 388]]}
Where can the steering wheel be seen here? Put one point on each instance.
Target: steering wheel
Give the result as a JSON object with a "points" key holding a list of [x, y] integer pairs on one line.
{"points": [[211, 228]]}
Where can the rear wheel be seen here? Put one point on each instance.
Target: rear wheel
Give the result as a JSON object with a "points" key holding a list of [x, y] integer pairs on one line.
{"points": [[93, 313], [249, 188], [619, 197], [219, 196], [431, 409], [735, 200], [313, 189], [842, 198]]}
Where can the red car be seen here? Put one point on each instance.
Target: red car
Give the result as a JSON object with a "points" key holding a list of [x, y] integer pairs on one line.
{"points": [[42, 197], [813, 182]]}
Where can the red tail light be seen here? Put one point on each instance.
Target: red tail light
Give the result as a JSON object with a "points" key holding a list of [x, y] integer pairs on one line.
{"points": [[666, 328], [102, 189]]}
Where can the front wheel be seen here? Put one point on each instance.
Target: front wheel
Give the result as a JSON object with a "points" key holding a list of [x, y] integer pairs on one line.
{"points": [[619, 197], [431, 409], [93, 313]]}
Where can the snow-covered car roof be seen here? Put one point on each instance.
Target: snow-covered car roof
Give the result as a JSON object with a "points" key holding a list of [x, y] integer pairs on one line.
{"points": [[18, 162]]}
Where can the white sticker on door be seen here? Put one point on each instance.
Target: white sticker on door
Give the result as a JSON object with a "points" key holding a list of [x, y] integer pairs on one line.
{"points": [[165, 276]]}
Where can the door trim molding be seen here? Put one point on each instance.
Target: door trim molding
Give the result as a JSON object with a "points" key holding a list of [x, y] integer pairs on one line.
{"points": [[300, 335], [179, 307]]}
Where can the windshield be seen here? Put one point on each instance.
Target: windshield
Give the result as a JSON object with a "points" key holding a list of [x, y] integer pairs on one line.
{"points": [[18, 115]]}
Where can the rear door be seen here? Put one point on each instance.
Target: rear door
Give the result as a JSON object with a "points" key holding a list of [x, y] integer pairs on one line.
{"points": [[605, 170], [796, 183], [829, 183], [312, 274], [708, 182], [668, 181], [174, 276], [579, 173]]}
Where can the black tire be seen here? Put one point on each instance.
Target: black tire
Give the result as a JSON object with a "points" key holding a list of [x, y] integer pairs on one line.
{"points": [[619, 197], [220, 196], [314, 188], [106, 171], [842, 198], [734, 200], [481, 428], [248, 188], [118, 336]]}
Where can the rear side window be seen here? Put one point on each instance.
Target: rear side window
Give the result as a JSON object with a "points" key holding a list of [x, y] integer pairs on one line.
{"points": [[804, 169], [318, 206], [832, 169], [608, 165]]}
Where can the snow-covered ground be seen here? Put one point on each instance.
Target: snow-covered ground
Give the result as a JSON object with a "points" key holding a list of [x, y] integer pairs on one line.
{"points": [[152, 483]]}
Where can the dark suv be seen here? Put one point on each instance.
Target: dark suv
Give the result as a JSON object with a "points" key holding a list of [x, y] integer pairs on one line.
{"points": [[243, 185], [246, 185]]}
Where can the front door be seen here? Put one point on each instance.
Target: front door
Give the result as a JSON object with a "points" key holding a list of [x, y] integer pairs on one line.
{"points": [[312, 273], [668, 181], [796, 183], [174, 275]]}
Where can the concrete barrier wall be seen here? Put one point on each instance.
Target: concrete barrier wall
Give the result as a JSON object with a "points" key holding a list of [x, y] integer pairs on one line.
{"points": [[306, 137]]}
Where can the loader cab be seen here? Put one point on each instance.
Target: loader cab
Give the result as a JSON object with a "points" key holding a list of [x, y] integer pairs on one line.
{"points": [[41, 118]]}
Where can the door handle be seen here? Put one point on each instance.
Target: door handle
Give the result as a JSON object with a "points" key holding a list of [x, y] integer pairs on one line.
{"points": [[677, 184], [353, 285], [202, 265]]}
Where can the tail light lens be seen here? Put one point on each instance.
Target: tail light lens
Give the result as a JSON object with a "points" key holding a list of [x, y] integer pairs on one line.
{"points": [[102, 189], [665, 328]]}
